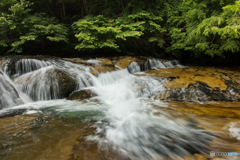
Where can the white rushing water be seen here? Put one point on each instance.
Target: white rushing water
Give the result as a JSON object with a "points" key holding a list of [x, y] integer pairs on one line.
{"points": [[128, 120]]}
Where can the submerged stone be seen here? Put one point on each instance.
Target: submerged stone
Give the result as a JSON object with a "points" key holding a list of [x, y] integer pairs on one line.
{"points": [[82, 95]]}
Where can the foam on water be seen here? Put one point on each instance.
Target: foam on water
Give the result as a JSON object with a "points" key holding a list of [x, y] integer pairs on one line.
{"points": [[131, 128], [234, 130], [9, 95]]}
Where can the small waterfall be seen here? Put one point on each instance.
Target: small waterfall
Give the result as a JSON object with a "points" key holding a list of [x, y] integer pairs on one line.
{"points": [[77, 71], [148, 87], [28, 65], [168, 64], [130, 126], [39, 84], [37, 79], [128, 120], [111, 77], [9, 95], [154, 63], [43, 84], [134, 68]]}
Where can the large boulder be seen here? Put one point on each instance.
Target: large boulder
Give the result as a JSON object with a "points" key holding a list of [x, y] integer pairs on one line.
{"points": [[48, 84], [199, 84], [67, 84], [82, 95]]}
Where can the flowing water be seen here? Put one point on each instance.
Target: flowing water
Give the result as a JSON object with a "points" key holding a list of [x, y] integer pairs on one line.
{"points": [[123, 121]]}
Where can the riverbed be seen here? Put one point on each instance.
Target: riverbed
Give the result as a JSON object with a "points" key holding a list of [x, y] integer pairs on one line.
{"points": [[155, 110]]}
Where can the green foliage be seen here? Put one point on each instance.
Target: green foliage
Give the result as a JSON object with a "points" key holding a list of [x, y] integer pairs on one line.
{"points": [[199, 27], [96, 32], [206, 27], [99, 32], [21, 27], [146, 23]]}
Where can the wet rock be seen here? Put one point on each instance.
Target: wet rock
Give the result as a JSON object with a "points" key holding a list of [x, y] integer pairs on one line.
{"points": [[51, 137], [124, 62], [199, 84], [14, 124], [82, 95], [196, 157], [142, 62], [46, 85], [12, 113], [98, 65], [67, 84], [103, 65], [222, 109]]}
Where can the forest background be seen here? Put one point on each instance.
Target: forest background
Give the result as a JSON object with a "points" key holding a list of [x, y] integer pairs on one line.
{"points": [[202, 29]]}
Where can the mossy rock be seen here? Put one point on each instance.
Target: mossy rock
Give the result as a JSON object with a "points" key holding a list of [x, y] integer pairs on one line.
{"points": [[67, 84], [124, 62], [82, 95], [199, 84]]}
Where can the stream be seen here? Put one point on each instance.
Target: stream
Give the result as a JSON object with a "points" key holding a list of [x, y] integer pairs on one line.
{"points": [[124, 120]]}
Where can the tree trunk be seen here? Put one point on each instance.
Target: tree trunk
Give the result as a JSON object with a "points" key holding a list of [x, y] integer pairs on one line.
{"points": [[63, 8]]}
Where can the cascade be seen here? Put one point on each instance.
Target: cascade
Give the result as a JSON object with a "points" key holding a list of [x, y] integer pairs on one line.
{"points": [[28, 65], [134, 68], [38, 85], [9, 95], [154, 63], [124, 113], [129, 125], [34, 79]]}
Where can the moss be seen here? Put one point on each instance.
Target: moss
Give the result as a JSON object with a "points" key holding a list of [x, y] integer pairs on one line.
{"points": [[67, 84], [124, 62], [199, 83]]}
